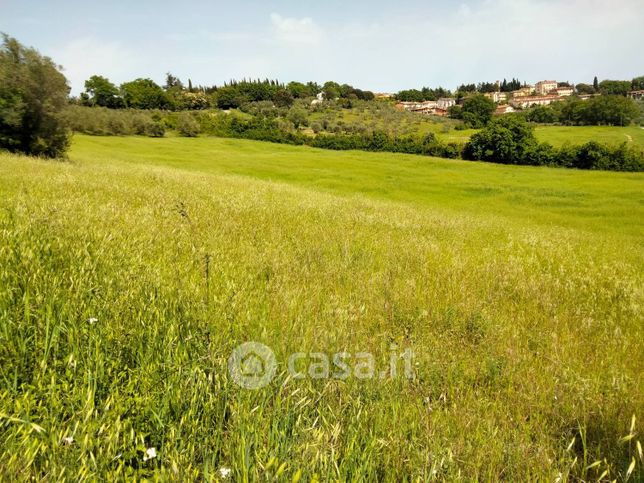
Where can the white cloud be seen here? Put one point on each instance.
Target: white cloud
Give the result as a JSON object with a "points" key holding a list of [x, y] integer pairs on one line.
{"points": [[296, 30], [81, 58]]}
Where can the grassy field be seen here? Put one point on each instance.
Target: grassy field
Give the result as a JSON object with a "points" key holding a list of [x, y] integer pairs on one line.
{"points": [[559, 135], [130, 273]]}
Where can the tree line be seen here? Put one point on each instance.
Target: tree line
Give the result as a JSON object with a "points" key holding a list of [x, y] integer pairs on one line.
{"points": [[174, 95]]}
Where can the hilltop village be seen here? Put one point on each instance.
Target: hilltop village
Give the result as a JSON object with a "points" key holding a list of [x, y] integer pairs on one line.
{"points": [[542, 93]]}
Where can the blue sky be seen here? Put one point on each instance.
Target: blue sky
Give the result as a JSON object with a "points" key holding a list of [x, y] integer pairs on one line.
{"points": [[377, 45]]}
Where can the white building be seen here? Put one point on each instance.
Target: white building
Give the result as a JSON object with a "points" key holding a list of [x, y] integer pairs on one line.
{"points": [[319, 99], [425, 107], [497, 96], [505, 109], [525, 102], [543, 88], [523, 92], [445, 103], [564, 91]]}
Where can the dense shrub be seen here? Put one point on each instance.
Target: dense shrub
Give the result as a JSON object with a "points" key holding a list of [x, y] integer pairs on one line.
{"points": [[101, 121], [476, 111], [611, 110], [187, 125], [33, 95], [510, 140], [506, 140]]}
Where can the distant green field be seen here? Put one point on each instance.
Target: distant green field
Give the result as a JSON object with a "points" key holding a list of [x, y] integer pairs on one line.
{"points": [[130, 273], [560, 135]]}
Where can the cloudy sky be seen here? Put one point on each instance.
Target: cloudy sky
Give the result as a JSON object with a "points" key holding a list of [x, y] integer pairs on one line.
{"points": [[379, 45]]}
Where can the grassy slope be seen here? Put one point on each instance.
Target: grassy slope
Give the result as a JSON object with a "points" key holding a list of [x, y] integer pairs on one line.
{"points": [[519, 289], [595, 201]]}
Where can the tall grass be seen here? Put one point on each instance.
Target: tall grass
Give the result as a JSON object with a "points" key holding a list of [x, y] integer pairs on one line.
{"points": [[124, 286]]}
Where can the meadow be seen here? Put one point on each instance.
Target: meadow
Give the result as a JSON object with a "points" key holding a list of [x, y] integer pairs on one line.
{"points": [[560, 135], [129, 273]]}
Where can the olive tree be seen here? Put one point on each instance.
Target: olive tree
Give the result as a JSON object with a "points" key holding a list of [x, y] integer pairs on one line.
{"points": [[33, 94]]}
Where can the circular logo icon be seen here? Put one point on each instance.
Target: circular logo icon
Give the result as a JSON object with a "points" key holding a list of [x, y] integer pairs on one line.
{"points": [[252, 365]]}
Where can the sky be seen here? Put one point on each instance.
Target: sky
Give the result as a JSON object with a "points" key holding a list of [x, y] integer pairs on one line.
{"points": [[377, 45]]}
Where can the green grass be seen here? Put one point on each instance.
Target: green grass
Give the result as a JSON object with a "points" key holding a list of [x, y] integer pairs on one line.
{"points": [[559, 135], [518, 289]]}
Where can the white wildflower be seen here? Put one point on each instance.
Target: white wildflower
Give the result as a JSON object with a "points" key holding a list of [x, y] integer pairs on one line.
{"points": [[92, 320], [68, 440], [224, 472], [150, 453]]}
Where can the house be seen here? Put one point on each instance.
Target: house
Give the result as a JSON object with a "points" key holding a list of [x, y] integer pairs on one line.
{"points": [[563, 91], [505, 109], [425, 107], [319, 99], [497, 96], [543, 88], [523, 92], [529, 101], [445, 103], [637, 95]]}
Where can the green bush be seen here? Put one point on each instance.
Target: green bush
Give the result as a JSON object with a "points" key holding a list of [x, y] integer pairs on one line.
{"points": [[510, 140], [188, 126], [506, 140]]}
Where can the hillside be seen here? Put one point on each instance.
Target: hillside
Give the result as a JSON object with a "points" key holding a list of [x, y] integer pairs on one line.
{"points": [[130, 273]]}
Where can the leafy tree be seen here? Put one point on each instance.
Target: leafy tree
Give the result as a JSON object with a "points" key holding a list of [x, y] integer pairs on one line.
{"points": [[615, 87], [467, 88], [331, 90], [298, 117], [410, 95], [487, 87], [612, 110], [582, 88], [101, 92], [188, 125], [33, 95], [513, 85], [541, 114], [144, 94], [506, 140], [637, 83], [229, 97], [172, 82], [299, 90], [477, 110], [596, 84], [283, 98], [572, 111]]}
